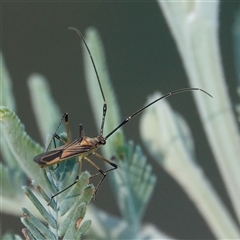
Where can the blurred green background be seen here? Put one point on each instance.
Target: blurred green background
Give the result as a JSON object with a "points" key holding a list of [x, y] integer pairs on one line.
{"points": [[142, 58]]}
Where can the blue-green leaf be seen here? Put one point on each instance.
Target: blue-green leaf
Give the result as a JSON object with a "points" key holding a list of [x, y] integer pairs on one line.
{"points": [[40, 207], [46, 110], [10, 236], [22, 146], [7, 100], [39, 226]]}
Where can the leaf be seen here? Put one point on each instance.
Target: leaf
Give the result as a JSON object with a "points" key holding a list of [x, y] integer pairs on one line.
{"points": [[236, 43], [74, 196], [10, 236], [195, 30], [35, 226], [238, 105], [107, 226], [22, 146], [168, 140], [7, 100], [11, 181], [75, 228], [46, 111], [49, 218], [133, 181], [74, 211]]}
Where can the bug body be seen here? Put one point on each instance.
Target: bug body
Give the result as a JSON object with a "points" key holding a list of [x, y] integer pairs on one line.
{"points": [[84, 146]]}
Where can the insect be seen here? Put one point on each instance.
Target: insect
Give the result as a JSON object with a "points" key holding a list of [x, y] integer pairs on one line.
{"points": [[83, 147]]}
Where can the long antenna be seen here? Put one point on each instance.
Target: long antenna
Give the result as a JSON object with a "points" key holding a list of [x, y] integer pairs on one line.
{"points": [[98, 79], [148, 105], [94, 66]]}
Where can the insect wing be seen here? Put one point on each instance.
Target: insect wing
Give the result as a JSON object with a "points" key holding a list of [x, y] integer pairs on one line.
{"points": [[62, 153], [76, 148], [49, 158]]}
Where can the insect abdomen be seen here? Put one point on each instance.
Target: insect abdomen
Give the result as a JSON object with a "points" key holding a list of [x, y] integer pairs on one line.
{"points": [[48, 158]]}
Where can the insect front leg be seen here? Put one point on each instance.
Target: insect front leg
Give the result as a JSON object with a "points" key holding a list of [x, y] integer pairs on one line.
{"points": [[56, 136], [81, 131]]}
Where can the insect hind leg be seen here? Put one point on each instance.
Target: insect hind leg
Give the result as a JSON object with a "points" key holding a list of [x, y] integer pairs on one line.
{"points": [[69, 186], [100, 171]]}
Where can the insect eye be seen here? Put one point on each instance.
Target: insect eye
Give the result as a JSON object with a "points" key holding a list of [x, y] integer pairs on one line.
{"points": [[103, 142]]}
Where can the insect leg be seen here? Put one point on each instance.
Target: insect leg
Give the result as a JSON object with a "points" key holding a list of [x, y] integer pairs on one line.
{"points": [[76, 180], [107, 161], [56, 136], [103, 172], [81, 131], [94, 165]]}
